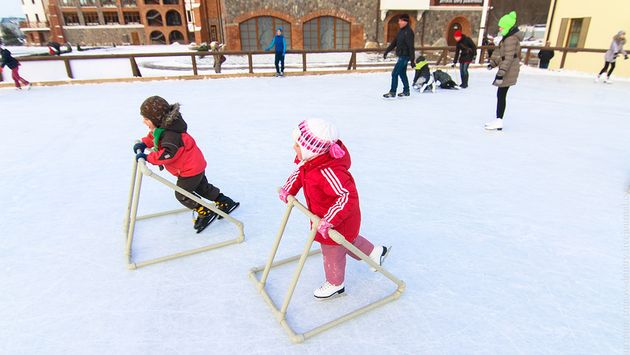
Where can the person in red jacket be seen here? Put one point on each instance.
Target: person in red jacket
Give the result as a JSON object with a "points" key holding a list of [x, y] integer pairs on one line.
{"points": [[331, 194], [174, 149]]}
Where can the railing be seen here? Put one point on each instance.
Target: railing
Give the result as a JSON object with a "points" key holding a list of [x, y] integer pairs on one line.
{"points": [[435, 55]]}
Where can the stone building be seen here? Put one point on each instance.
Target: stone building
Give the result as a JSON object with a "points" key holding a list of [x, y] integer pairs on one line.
{"points": [[251, 24], [109, 21]]}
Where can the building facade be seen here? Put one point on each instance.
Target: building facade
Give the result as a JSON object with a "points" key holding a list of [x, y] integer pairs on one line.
{"points": [[587, 24], [251, 24]]}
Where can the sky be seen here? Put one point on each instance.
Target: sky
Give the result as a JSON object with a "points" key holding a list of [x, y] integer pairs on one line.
{"points": [[11, 8]]}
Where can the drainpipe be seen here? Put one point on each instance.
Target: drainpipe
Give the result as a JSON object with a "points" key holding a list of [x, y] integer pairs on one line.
{"points": [[482, 28], [553, 14], [378, 18]]}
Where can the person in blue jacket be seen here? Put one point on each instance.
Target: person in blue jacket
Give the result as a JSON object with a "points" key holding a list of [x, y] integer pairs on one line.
{"points": [[280, 45]]}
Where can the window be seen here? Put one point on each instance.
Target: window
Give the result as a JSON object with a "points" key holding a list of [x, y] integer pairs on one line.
{"points": [[132, 18], [213, 33], [71, 19], [574, 33], [111, 18], [37, 17], [129, 3], [157, 37], [170, 2], [108, 3], [87, 2], [91, 18], [155, 19], [152, 2], [176, 36], [258, 32], [326, 33], [67, 3], [189, 16], [173, 18]]}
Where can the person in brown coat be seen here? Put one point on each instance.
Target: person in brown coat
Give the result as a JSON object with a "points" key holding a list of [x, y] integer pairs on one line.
{"points": [[506, 57]]}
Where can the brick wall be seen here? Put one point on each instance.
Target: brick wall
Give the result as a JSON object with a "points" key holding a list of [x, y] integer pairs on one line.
{"points": [[100, 36]]}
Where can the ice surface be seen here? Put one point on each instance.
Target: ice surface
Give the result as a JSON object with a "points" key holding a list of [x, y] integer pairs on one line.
{"points": [[510, 243]]}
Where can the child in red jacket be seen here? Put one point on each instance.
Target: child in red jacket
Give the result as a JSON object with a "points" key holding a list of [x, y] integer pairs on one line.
{"points": [[330, 192], [173, 148]]}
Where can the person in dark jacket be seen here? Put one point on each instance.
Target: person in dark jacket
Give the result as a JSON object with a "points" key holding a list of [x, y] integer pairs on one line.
{"points": [[465, 53], [172, 147], [545, 56], [280, 45], [404, 44], [14, 65]]}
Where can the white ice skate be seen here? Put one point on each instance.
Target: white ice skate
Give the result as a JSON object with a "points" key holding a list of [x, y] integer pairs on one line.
{"points": [[379, 254], [597, 78], [607, 80], [496, 125], [328, 291]]}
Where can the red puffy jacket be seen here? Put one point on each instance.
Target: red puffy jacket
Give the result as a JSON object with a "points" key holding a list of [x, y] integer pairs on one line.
{"points": [[181, 157], [330, 193]]}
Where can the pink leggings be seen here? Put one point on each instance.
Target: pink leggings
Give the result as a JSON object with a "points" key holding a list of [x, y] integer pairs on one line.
{"points": [[335, 259], [15, 74]]}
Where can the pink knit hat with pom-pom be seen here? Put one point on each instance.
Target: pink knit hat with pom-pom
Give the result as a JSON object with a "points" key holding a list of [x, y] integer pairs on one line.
{"points": [[316, 137]]}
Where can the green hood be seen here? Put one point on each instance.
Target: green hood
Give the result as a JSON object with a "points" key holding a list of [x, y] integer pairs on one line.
{"points": [[507, 22]]}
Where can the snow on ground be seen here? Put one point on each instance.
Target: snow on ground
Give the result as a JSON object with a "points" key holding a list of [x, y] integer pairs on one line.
{"points": [[510, 243]]}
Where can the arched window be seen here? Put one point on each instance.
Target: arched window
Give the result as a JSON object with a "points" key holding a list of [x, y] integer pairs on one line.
{"points": [[176, 36], [157, 37], [258, 32], [326, 32], [170, 2], [154, 18], [173, 18]]}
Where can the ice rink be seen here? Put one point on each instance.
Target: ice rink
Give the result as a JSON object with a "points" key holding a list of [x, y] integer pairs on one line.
{"points": [[510, 242]]}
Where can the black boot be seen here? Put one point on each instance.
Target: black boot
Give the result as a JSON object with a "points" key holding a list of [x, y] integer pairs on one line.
{"points": [[389, 94], [404, 93], [225, 204], [204, 218]]}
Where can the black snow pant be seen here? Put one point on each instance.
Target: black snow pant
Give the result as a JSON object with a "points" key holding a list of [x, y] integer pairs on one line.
{"points": [[501, 95], [612, 67], [199, 186], [279, 59]]}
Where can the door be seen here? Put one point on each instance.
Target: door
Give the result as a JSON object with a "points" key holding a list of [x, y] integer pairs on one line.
{"points": [[455, 26], [135, 39], [392, 29]]}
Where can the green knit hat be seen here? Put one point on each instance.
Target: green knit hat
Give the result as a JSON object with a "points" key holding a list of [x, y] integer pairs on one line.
{"points": [[507, 22]]}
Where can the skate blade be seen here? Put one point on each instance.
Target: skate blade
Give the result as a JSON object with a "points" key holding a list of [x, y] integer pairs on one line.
{"points": [[337, 294], [206, 226]]}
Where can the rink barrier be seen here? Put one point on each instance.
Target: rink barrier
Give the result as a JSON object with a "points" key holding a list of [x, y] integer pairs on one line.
{"points": [[138, 171], [281, 312], [436, 55]]}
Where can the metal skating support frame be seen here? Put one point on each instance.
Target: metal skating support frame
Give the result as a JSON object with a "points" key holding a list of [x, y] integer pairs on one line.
{"points": [[281, 312], [140, 170]]}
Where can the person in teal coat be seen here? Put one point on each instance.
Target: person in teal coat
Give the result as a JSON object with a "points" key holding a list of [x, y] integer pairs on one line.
{"points": [[280, 45]]}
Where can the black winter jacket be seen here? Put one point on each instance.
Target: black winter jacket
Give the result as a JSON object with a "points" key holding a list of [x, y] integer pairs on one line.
{"points": [[8, 60], [465, 50], [404, 44]]}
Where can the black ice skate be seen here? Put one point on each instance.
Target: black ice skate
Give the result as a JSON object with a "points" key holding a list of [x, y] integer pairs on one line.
{"points": [[404, 93], [389, 95], [225, 204], [204, 218]]}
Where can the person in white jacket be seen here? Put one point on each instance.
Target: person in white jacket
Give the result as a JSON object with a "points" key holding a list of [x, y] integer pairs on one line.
{"points": [[616, 48]]}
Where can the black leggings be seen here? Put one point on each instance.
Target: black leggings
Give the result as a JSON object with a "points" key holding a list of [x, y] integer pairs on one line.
{"points": [[501, 94], [612, 67]]}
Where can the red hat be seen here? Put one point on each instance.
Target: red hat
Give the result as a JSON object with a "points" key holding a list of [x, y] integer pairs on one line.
{"points": [[457, 33]]}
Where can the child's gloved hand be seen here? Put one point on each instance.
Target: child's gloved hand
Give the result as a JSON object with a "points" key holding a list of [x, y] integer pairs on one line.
{"points": [[283, 195], [490, 67], [498, 80], [323, 227], [139, 146], [141, 155]]}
